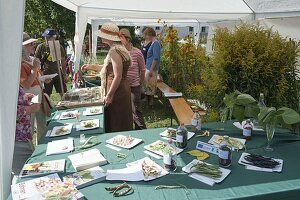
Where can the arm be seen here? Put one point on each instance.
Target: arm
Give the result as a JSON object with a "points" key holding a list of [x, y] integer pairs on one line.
{"points": [[156, 54], [94, 67], [142, 67], [118, 70], [27, 80]]}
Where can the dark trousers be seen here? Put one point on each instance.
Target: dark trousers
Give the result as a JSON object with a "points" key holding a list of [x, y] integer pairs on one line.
{"points": [[138, 118]]}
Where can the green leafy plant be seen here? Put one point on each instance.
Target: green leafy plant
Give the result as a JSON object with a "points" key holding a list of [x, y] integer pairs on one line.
{"points": [[283, 116], [239, 106]]}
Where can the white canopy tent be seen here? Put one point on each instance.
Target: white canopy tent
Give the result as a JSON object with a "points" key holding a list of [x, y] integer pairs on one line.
{"points": [[151, 10], [11, 32], [11, 27], [135, 12], [96, 22]]}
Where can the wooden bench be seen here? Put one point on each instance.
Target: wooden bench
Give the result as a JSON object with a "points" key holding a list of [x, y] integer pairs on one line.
{"points": [[180, 107], [164, 88], [182, 110]]}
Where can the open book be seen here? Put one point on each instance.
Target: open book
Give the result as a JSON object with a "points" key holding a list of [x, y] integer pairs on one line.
{"points": [[43, 168], [86, 177], [87, 159], [46, 187]]}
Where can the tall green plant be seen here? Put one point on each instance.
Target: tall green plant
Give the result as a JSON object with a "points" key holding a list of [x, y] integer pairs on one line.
{"points": [[254, 60]]}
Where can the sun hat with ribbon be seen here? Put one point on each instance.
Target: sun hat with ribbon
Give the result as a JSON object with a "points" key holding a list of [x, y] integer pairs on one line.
{"points": [[110, 31], [27, 39]]}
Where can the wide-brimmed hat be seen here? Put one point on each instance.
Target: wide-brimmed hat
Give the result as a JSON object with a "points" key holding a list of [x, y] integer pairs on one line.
{"points": [[49, 32], [27, 39], [126, 33], [109, 31]]}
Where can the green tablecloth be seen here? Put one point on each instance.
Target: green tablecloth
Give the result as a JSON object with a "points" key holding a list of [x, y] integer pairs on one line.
{"points": [[240, 184]]}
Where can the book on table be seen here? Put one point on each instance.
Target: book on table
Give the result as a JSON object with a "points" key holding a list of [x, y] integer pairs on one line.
{"points": [[86, 177], [46, 187], [43, 168], [60, 146], [87, 159]]}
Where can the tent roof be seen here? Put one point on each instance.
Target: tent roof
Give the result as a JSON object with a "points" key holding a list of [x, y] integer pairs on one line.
{"points": [[156, 9]]}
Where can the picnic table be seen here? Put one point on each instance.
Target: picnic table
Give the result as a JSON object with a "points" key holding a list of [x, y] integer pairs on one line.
{"points": [[240, 184]]}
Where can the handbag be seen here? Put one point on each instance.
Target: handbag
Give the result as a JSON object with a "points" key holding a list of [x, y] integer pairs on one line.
{"points": [[46, 105]]}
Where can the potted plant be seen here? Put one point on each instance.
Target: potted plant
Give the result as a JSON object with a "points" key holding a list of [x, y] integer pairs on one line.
{"points": [[270, 117]]}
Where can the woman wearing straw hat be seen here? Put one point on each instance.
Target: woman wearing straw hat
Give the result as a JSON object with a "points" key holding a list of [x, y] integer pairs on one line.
{"points": [[29, 80], [114, 86]]}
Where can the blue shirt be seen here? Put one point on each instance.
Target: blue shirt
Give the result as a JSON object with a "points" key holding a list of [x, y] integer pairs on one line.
{"points": [[153, 54]]}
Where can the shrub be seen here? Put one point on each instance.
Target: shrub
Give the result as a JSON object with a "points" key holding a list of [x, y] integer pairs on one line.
{"points": [[252, 59]]}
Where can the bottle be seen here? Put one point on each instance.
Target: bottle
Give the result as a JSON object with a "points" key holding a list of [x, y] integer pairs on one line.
{"points": [[181, 137], [247, 129], [196, 121], [261, 102], [225, 155], [169, 158]]}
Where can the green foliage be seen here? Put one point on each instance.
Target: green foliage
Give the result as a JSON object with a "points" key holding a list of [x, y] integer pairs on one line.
{"points": [[42, 14], [252, 59], [283, 116], [181, 62], [239, 106]]}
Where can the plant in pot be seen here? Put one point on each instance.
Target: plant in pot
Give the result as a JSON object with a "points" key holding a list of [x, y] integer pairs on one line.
{"points": [[239, 106], [270, 117]]}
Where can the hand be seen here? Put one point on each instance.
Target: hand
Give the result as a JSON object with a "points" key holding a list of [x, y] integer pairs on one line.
{"points": [[48, 80], [36, 64], [151, 73], [28, 96], [107, 100], [33, 108], [85, 67]]}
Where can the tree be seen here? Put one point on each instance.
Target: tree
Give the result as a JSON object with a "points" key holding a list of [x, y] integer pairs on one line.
{"points": [[42, 14]]}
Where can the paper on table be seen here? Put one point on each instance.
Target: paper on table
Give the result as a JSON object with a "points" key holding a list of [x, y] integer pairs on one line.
{"points": [[202, 179], [278, 168], [45, 77], [132, 173], [35, 99], [113, 147], [60, 146]]}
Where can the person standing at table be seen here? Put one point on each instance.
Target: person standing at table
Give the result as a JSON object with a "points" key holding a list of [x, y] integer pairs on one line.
{"points": [[23, 139], [48, 66], [152, 64], [135, 77], [145, 45], [29, 80], [114, 85]]}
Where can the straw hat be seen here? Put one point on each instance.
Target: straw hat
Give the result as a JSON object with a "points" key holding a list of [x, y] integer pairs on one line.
{"points": [[27, 39], [109, 31], [126, 33]]}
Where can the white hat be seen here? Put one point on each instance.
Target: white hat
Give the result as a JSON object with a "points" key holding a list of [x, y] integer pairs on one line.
{"points": [[27, 39], [109, 31]]}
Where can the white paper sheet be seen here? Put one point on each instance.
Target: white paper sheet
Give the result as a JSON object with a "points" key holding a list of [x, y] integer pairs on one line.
{"points": [[60, 146], [132, 173], [35, 99], [240, 126], [45, 77]]}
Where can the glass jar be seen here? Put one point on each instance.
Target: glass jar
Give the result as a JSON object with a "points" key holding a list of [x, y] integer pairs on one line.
{"points": [[169, 158], [196, 122], [247, 129], [225, 152], [261, 102], [181, 137]]}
